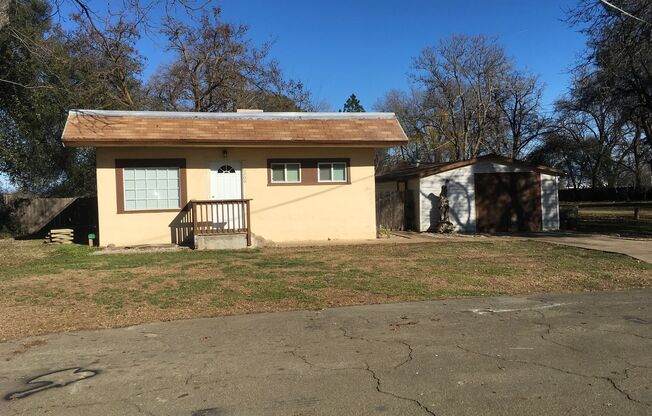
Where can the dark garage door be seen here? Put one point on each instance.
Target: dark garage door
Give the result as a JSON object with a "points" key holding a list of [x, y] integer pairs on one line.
{"points": [[507, 202]]}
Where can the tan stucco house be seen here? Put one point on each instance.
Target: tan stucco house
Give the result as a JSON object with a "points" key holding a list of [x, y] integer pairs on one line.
{"points": [[227, 179]]}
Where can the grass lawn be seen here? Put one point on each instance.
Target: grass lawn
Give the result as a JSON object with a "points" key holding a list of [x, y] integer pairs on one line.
{"points": [[59, 288], [616, 217]]}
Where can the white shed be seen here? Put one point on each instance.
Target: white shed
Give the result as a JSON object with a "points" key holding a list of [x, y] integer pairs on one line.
{"points": [[486, 194]]}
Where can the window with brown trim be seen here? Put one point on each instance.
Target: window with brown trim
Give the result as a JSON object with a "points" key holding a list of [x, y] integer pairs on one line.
{"points": [[283, 172], [332, 171], [286, 172], [150, 185]]}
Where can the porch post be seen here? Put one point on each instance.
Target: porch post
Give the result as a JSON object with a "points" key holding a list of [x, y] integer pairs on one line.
{"points": [[248, 223], [193, 212]]}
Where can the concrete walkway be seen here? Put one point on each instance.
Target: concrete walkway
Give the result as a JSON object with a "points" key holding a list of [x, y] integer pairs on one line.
{"points": [[575, 354], [638, 248]]}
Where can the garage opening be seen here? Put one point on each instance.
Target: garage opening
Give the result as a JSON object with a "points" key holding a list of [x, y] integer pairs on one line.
{"points": [[508, 202]]}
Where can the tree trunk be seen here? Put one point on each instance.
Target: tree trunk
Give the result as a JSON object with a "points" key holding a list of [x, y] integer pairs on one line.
{"points": [[638, 174]]}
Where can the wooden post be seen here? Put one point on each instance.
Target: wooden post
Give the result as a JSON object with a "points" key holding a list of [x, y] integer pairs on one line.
{"points": [[193, 212], [234, 224], [248, 206]]}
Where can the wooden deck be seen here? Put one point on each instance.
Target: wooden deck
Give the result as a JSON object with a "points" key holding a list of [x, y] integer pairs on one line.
{"points": [[212, 218]]}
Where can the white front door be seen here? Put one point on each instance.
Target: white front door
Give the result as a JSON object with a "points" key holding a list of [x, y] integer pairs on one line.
{"points": [[226, 183]]}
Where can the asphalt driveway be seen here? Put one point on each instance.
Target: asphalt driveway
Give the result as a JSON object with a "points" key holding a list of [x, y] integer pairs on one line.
{"points": [[551, 354]]}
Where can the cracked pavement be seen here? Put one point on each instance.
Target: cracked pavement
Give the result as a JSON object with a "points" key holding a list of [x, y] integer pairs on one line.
{"points": [[579, 354]]}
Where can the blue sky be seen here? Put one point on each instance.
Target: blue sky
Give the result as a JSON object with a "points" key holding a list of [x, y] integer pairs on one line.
{"points": [[366, 47]]}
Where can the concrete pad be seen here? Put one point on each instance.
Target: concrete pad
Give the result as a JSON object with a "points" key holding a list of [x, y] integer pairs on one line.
{"points": [[640, 249], [221, 242], [574, 354]]}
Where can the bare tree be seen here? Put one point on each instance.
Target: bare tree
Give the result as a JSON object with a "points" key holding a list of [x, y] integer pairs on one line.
{"points": [[108, 54], [466, 99], [425, 144], [519, 99], [44, 71], [461, 78], [93, 62], [619, 53], [597, 127], [630, 159], [603, 127], [216, 68]]}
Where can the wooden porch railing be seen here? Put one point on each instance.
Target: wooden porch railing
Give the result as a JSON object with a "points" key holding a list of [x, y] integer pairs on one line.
{"points": [[213, 217]]}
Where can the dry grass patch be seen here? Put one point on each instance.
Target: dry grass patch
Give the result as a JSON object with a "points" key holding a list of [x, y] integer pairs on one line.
{"points": [[17, 252], [47, 289]]}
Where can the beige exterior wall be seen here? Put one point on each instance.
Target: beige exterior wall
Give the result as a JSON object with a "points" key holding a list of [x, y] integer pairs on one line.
{"points": [[278, 213]]}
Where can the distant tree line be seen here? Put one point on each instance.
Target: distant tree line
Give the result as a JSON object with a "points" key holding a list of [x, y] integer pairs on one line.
{"points": [[468, 98]]}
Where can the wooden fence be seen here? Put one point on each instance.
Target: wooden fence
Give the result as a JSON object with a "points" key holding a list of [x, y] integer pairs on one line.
{"points": [[605, 194], [390, 210], [35, 217]]}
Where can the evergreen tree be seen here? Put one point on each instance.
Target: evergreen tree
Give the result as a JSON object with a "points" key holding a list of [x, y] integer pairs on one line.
{"points": [[352, 105]]}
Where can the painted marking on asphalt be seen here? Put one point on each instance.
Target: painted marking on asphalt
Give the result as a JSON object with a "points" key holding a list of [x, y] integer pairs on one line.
{"points": [[485, 311], [54, 379]]}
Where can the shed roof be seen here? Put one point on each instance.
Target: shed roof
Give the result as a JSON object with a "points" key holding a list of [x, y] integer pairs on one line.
{"points": [[430, 169], [137, 128]]}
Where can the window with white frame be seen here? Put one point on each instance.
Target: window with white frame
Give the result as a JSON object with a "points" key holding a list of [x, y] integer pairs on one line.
{"points": [[286, 172], [332, 172], [151, 188]]}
